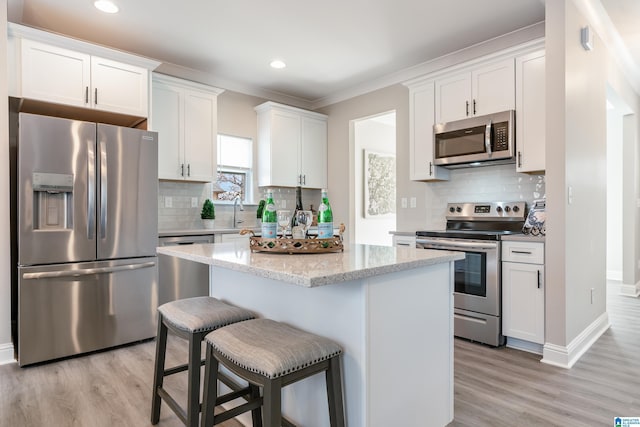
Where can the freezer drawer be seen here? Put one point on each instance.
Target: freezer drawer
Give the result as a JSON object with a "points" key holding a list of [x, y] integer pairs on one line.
{"points": [[68, 309]]}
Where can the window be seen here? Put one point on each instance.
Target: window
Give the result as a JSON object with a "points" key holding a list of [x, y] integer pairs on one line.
{"points": [[235, 163]]}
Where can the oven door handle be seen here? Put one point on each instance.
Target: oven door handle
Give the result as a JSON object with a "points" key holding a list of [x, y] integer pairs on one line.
{"points": [[438, 244]]}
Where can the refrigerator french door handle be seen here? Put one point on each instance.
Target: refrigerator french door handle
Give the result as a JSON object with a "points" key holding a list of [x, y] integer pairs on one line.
{"points": [[91, 187], [87, 271], [103, 190]]}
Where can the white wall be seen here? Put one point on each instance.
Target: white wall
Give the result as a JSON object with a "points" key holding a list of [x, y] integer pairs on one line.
{"points": [[371, 134], [576, 159], [6, 348]]}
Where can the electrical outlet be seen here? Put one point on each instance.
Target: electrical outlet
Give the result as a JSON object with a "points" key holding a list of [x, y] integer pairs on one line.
{"points": [[194, 202], [593, 291], [403, 202], [168, 202], [413, 202], [570, 195]]}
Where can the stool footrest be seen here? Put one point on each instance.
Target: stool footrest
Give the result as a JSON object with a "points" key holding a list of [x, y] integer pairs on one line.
{"points": [[234, 412], [170, 401], [175, 370]]}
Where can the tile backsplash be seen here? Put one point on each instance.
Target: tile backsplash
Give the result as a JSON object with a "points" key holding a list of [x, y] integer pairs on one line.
{"points": [[483, 184], [181, 215]]}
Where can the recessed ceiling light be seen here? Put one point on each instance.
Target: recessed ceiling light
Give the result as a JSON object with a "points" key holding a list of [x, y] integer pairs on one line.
{"points": [[106, 6], [276, 63]]}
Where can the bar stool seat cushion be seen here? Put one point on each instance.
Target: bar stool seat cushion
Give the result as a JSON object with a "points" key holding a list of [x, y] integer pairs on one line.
{"points": [[201, 314], [269, 348]]}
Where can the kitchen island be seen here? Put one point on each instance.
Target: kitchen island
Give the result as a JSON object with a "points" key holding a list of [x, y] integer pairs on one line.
{"points": [[391, 309]]}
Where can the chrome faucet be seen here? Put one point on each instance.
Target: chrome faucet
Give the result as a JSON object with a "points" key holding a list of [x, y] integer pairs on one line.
{"points": [[237, 199]]}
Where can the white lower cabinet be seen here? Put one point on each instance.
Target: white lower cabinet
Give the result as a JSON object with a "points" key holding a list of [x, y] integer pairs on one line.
{"points": [[404, 241], [523, 291]]}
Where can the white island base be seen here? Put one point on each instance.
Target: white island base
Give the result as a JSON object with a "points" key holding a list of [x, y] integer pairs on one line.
{"points": [[396, 330]]}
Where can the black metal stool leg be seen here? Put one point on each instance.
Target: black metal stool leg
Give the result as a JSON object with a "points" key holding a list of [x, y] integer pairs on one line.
{"points": [[272, 403], [158, 374], [210, 389], [334, 393], [256, 414], [193, 387]]}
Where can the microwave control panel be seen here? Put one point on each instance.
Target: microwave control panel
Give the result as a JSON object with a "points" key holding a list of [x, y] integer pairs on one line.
{"points": [[501, 136]]}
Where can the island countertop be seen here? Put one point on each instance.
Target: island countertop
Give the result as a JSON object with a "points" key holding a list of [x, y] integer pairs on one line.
{"points": [[311, 270]]}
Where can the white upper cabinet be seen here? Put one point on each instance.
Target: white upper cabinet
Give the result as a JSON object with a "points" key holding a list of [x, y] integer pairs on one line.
{"points": [[119, 88], [530, 112], [421, 121], [55, 69], [483, 90], [63, 76], [292, 147], [67, 77], [185, 116]]}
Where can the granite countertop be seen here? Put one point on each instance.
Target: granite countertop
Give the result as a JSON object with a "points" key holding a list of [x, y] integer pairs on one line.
{"points": [[311, 270], [522, 238], [200, 231], [403, 233]]}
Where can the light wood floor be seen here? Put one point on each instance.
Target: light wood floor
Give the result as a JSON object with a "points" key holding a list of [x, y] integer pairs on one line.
{"points": [[493, 387]]}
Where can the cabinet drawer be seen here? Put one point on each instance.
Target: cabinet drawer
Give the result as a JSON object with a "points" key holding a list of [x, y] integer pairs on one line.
{"points": [[526, 252]]}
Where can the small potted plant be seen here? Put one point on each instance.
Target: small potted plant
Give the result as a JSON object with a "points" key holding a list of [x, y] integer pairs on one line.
{"points": [[208, 214]]}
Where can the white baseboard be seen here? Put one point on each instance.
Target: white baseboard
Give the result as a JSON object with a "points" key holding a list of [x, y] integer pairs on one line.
{"points": [[523, 345], [566, 357], [6, 354], [615, 275], [630, 290]]}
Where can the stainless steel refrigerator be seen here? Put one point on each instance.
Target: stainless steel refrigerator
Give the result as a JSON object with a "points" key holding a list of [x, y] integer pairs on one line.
{"points": [[86, 219]]}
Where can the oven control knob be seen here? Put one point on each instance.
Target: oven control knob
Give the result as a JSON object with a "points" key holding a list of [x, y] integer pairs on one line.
{"points": [[516, 209], [499, 209], [458, 209], [507, 208], [452, 209]]}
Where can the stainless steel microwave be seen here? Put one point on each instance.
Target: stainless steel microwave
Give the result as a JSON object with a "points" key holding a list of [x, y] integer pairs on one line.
{"points": [[476, 141]]}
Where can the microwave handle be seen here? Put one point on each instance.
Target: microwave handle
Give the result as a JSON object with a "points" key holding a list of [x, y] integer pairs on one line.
{"points": [[487, 138]]}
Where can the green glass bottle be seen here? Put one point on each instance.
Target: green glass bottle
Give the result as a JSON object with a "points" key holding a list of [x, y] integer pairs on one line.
{"points": [[325, 218], [269, 218]]}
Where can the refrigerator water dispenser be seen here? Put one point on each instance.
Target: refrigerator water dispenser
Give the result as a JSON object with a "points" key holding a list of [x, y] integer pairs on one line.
{"points": [[53, 201]]}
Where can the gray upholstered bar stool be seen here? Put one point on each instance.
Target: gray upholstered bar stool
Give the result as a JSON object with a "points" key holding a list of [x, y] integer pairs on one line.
{"points": [[191, 319], [270, 355]]}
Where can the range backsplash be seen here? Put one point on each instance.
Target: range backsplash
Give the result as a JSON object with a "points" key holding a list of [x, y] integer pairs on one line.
{"points": [[483, 184]]}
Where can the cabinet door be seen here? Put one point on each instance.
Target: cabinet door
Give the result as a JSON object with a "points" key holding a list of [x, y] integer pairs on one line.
{"points": [[54, 74], [421, 121], [118, 87], [313, 155], [167, 116], [453, 97], [530, 112], [284, 156], [200, 135], [523, 301], [493, 88]]}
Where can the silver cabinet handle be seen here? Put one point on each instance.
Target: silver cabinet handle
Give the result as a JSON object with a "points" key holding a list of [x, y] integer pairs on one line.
{"points": [[467, 107], [522, 252], [86, 94], [519, 159], [103, 189], [91, 190], [189, 169], [87, 271], [487, 138], [474, 107], [182, 169], [304, 179], [430, 169], [95, 97]]}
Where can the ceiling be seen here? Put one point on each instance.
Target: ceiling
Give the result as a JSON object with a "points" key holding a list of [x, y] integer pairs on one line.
{"points": [[329, 46]]}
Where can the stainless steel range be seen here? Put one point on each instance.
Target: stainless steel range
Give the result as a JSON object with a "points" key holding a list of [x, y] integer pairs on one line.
{"points": [[477, 230]]}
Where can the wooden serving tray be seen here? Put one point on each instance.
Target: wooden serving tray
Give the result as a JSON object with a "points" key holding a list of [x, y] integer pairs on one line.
{"points": [[286, 245]]}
